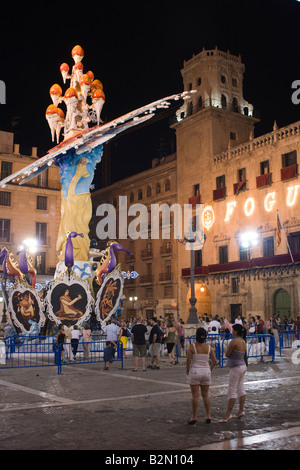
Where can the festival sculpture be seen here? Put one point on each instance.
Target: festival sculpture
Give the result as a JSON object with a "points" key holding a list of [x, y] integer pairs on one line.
{"points": [[77, 156]]}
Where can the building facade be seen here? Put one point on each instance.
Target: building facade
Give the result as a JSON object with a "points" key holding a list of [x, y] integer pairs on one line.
{"points": [[31, 211], [247, 181]]}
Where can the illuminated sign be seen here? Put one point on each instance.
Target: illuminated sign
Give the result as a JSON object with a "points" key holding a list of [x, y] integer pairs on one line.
{"points": [[269, 202], [208, 217]]}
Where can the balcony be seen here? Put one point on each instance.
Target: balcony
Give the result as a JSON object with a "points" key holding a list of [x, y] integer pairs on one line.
{"points": [[146, 279], [166, 250], [289, 172], [199, 271], [219, 194], [239, 265], [238, 187], [165, 277], [263, 180], [146, 254], [194, 200]]}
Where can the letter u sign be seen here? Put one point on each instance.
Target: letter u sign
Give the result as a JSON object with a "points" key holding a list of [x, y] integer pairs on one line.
{"points": [[2, 92]]}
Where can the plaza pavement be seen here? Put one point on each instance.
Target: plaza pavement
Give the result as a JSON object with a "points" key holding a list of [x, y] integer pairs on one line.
{"points": [[87, 408]]}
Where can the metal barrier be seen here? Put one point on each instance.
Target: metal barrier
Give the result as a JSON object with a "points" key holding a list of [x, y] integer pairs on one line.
{"points": [[257, 346], [44, 352], [289, 339], [213, 340]]}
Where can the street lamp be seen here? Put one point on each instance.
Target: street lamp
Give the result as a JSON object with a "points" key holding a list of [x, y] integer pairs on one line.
{"points": [[193, 318]]}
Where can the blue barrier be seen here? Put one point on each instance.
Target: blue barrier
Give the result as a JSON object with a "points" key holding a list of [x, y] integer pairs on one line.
{"points": [[257, 346], [44, 352], [287, 338]]}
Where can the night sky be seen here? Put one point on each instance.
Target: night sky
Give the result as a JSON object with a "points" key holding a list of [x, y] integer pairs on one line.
{"points": [[137, 52]]}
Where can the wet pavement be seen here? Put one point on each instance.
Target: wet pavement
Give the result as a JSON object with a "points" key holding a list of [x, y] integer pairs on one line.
{"points": [[87, 408]]}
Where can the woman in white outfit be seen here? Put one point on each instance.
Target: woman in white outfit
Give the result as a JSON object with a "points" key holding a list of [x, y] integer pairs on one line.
{"points": [[200, 362], [237, 361]]}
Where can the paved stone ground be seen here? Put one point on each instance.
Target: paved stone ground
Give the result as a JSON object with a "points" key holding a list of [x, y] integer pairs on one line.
{"points": [[87, 408]]}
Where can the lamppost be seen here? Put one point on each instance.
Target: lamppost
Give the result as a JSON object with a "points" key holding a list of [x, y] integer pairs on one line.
{"points": [[193, 318]]}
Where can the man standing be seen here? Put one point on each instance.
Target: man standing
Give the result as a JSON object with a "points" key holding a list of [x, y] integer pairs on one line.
{"points": [[138, 339], [112, 334], [215, 323], [155, 344]]}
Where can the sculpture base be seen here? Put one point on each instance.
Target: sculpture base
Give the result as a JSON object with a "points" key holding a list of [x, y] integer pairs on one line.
{"points": [[82, 269]]}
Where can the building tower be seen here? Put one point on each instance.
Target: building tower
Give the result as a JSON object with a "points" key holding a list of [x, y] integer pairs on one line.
{"points": [[217, 118]]}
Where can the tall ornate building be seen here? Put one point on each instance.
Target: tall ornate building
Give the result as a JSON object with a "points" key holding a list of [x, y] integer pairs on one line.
{"points": [[247, 181]]}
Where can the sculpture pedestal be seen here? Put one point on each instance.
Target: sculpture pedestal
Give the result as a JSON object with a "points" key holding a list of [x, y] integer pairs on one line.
{"points": [[82, 269]]}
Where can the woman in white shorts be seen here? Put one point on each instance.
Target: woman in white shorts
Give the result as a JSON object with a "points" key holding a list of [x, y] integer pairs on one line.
{"points": [[200, 362], [237, 361]]}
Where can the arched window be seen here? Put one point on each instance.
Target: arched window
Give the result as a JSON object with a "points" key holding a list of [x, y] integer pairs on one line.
{"points": [[140, 194], [131, 197], [223, 101], [149, 192], [200, 103], [167, 185], [235, 104], [158, 188]]}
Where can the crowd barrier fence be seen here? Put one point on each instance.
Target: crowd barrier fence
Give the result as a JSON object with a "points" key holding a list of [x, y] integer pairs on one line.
{"points": [[44, 352], [289, 339]]}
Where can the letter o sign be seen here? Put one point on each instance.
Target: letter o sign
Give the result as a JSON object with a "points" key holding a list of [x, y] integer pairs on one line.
{"points": [[249, 206]]}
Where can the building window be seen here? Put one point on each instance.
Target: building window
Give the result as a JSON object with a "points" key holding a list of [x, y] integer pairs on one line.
{"points": [[200, 102], [5, 198], [289, 159], [199, 81], [158, 188], [232, 135], [235, 104], [223, 254], [264, 167], [242, 174], [294, 242], [190, 86], [131, 197], [223, 78], [149, 192], [234, 82], [6, 169], [268, 246], [223, 101], [41, 233], [198, 258], [42, 179], [41, 203], [234, 285], [4, 230], [40, 263], [168, 292], [220, 182], [167, 185], [149, 293], [244, 253], [140, 195]]}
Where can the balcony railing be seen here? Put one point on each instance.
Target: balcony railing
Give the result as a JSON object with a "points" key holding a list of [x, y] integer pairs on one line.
{"points": [[146, 279], [263, 180], [166, 250], [289, 172], [194, 200], [239, 265], [146, 253], [165, 277], [219, 194], [240, 186]]}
